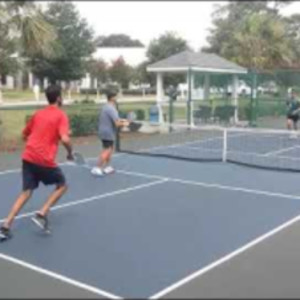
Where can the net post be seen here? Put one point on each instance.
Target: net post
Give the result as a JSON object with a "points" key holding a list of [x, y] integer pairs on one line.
{"points": [[189, 108], [224, 152], [118, 149], [118, 132], [171, 113]]}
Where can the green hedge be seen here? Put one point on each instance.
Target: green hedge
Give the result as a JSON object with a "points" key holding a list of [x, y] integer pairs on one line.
{"points": [[93, 91], [81, 124], [139, 92], [84, 124]]}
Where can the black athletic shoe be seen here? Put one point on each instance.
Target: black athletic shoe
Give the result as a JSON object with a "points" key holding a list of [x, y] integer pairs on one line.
{"points": [[41, 222], [5, 234]]}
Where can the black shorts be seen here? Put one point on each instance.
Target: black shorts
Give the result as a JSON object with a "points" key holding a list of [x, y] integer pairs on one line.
{"points": [[107, 144], [34, 174], [294, 118]]}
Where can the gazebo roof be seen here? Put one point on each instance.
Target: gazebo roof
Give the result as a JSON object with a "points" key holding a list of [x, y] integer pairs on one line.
{"points": [[196, 61]]}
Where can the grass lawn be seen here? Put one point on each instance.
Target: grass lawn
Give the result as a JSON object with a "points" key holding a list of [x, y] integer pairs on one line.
{"points": [[10, 96], [13, 120]]}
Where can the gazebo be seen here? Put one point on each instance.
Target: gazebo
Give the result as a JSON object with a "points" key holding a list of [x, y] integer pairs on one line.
{"points": [[191, 63]]}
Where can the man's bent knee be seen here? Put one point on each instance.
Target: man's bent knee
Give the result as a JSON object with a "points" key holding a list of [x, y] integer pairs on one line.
{"points": [[62, 187], [27, 193]]}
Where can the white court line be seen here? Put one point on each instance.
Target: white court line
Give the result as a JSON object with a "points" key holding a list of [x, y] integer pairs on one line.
{"points": [[73, 203], [97, 197], [10, 171], [225, 258], [59, 277], [281, 150], [212, 185], [66, 163]]}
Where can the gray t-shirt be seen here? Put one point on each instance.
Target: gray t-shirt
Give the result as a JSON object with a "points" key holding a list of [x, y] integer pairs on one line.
{"points": [[107, 117]]}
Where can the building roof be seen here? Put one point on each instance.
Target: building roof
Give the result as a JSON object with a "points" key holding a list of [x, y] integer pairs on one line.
{"points": [[196, 61]]}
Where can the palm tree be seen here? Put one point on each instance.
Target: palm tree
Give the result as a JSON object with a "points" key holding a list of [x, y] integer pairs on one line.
{"points": [[27, 21], [26, 25]]}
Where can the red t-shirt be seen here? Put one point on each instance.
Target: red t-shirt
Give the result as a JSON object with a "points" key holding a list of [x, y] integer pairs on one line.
{"points": [[43, 132]]}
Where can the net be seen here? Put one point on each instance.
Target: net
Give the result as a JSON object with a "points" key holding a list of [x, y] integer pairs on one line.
{"points": [[262, 148]]}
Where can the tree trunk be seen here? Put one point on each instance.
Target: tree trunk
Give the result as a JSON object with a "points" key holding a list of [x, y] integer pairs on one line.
{"points": [[20, 80], [69, 90], [97, 89], [121, 90]]}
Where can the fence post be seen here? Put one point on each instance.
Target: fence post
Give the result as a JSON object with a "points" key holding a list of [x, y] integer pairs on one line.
{"points": [[224, 153], [254, 104], [189, 109]]}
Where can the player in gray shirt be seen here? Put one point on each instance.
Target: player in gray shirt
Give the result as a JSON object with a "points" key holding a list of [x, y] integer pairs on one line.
{"points": [[109, 121]]}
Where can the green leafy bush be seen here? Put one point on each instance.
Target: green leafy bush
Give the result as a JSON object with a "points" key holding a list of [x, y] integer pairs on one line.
{"points": [[139, 92], [85, 122], [87, 101], [104, 90], [88, 91], [224, 112], [81, 124]]}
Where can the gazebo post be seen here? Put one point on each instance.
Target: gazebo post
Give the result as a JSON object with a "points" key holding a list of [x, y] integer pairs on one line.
{"points": [[159, 95], [206, 86], [189, 99], [235, 96]]}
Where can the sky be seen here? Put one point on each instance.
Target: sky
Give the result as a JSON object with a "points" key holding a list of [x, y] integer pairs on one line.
{"points": [[148, 20]]}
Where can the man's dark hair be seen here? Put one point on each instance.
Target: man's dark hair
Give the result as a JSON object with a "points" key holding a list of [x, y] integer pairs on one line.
{"points": [[111, 95], [53, 92]]}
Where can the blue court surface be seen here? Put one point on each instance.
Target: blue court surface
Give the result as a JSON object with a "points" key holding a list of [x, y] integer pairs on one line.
{"points": [[151, 227]]}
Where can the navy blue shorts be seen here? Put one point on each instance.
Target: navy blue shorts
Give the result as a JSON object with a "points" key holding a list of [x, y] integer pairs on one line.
{"points": [[292, 117], [34, 174], [107, 144]]}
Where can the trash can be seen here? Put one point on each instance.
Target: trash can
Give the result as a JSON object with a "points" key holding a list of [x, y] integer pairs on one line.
{"points": [[154, 114]]}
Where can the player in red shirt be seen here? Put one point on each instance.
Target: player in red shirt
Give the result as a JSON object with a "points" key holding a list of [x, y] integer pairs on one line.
{"points": [[42, 134]]}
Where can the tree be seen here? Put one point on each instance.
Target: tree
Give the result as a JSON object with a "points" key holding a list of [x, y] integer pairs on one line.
{"points": [[140, 74], [98, 70], [226, 18], [293, 32], [27, 23], [229, 17], [259, 43], [118, 40], [76, 44], [120, 72], [8, 64], [166, 45], [25, 32], [252, 34]]}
